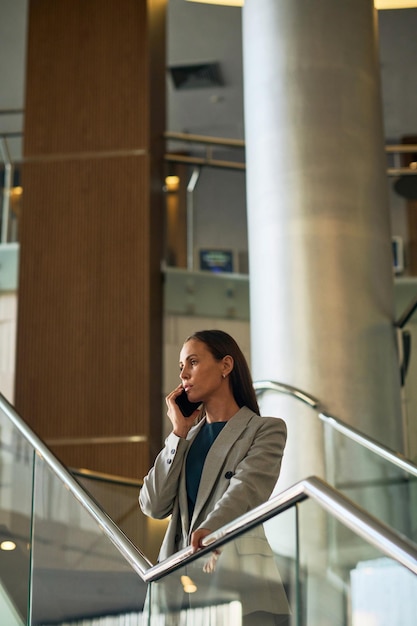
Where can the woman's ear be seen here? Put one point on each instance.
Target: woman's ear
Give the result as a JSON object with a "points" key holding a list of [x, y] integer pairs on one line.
{"points": [[228, 364]]}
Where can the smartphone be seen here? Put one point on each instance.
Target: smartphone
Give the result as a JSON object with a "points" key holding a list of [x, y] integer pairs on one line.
{"points": [[186, 406]]}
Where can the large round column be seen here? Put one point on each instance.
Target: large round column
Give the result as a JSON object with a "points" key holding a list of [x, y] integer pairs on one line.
{"points": [[321, 286]]}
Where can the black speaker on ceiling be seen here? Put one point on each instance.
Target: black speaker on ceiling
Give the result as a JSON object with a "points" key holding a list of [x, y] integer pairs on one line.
{"points": [[196, 76]]}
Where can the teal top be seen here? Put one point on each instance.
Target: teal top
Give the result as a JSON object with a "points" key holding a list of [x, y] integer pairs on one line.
{"points": [[196, 458]]}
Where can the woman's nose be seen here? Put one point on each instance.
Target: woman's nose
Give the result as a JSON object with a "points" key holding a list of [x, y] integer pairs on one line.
{"points": [[183, 374]]}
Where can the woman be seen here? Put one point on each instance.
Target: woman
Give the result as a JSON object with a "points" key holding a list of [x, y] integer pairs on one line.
{"points": [[217, 464]]}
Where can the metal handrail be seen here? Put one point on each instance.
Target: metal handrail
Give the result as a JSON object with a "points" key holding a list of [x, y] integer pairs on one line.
{"points": [[136, 559], [271, 385], [349, 431], [208, 141], [347, 512], [204, 139], [371, 444], [106, 478]]}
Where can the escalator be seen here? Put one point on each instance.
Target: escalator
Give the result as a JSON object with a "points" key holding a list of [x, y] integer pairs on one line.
{"points": [[71, 563]]}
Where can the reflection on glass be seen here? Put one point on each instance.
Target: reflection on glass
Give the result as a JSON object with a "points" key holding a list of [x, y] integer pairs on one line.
{"points": [[120, 501], [243, 584], [16, 469], [78, 574], [344, 581], [383, 489]]}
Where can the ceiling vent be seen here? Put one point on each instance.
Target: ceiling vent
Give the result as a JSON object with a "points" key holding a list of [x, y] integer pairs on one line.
{"points": [[196, 76]]}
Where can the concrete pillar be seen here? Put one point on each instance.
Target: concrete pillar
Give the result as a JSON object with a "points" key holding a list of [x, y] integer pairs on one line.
{"points": [[321, 285]]}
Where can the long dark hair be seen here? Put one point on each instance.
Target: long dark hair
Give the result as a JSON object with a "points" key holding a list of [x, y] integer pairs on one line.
{"points": [[220, 345]]}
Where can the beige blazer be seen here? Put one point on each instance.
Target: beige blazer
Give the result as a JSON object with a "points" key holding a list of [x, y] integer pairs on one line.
{"points": [[240, 472]]}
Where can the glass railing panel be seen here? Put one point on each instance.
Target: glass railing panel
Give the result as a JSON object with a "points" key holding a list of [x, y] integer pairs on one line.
{"points": [[345, 581], [78, 573], [16, 471], [119, 499], [252, 581], [382, 488]]}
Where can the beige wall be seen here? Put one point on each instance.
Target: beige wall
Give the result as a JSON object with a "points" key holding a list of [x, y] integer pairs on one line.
{"points": [[8, 316]]}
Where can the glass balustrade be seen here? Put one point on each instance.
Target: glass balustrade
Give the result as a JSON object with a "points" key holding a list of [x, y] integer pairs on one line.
{"points": [[64, 567], [118, 497], [16, 474], [312, 570], [77, 572], [364, 474], [345, 581], [385, 490], [250, 581], [302, 567]]}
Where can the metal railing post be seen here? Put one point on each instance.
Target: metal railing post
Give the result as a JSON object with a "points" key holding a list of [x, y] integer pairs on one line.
{"points": [[190, 217]]}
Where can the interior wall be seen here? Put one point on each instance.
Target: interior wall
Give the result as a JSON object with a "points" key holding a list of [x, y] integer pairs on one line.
{"points": [[8, 317]]}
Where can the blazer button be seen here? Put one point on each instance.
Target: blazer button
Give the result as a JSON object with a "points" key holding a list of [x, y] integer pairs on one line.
{"points": [[172, 451], [169, 461], [228, 475]]}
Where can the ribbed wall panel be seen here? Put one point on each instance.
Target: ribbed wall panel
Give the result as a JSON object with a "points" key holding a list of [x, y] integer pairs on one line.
{"points": [[87, 76], [89, 341], [112, 458]]}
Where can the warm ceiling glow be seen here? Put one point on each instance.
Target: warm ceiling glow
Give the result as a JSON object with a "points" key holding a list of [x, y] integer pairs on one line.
{"points": [[7, 545], [395, 4], [379, 4]]}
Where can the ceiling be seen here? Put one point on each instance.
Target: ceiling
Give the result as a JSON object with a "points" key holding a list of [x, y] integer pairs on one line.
{"points": [[199, 33]]}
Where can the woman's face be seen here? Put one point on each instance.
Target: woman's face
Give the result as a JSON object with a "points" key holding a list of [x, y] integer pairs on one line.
{"points": [[200, 373]]}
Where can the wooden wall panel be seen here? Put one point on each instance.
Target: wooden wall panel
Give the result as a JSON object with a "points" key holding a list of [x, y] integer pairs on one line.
{"points": [[89, 340], [87, 76]]}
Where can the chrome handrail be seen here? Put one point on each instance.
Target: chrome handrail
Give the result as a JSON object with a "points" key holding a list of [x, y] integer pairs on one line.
{"points": [[368, 527], [347, 512], [136, 559], [349, 431], [371, 444], [271, 385], [106, 478], [204, 139]]}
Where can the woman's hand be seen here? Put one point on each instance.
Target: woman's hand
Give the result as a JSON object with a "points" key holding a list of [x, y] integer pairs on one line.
{"points": [[180, 425], [197, 537]]}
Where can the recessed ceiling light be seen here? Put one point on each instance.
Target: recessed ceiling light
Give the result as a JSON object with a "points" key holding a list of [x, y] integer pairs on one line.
{"points": [[7, 545]]}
